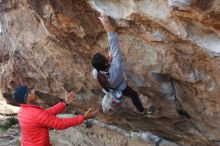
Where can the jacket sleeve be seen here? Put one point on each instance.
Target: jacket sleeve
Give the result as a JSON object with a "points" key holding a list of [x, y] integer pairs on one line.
{"points": [[51, 121], [56, 109], [114, 48], [116, 69]]}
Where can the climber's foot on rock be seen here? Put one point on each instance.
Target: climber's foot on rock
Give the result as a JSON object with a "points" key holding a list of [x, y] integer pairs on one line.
{"points": [[148, 112]]}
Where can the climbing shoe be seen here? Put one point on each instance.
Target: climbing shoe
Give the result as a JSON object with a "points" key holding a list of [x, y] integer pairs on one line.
{"points": [[148, 112]]}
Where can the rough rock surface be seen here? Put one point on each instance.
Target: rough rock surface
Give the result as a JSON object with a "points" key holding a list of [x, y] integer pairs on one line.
{"points": [[170, 52], [99, 134], [96, 133], [11, 137]]}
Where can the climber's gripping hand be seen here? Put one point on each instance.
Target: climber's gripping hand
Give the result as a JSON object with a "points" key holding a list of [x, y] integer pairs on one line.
{"points": [[106, 23]]}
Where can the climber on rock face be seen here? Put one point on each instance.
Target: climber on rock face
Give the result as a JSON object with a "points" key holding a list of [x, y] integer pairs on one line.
{"points": [[35, 121], [109, 70]]}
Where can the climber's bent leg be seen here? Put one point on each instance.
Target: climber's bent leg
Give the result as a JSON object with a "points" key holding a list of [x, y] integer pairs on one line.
{"points": [[128, 91]]}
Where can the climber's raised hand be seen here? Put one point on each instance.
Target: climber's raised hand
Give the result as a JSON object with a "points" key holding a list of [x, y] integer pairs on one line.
{"points": [[106, 23]]}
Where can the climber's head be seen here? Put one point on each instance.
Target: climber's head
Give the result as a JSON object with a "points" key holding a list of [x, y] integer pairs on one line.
{"points": [[21, 95], [101, 61]]}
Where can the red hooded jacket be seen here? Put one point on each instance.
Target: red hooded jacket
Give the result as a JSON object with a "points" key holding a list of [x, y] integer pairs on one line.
{"points": [[35, 122]]}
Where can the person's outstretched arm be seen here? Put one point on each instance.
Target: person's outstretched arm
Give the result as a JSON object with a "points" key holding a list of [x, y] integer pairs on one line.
{"points": [[114, 48], [45, 119], [51, 121], [116, 69], [112, 39], [58, 108]]}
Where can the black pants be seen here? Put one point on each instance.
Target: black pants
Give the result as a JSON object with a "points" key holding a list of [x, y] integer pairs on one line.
{"points": [[128, 91]]}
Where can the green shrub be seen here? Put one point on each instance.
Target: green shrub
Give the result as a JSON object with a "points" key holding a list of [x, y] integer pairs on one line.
{"points": [[8, 123]]}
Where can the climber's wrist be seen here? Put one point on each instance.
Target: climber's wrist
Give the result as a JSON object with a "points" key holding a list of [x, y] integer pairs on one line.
{"points": [[108, 28]]}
